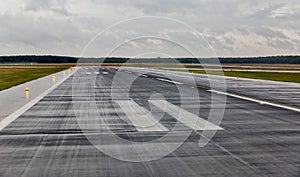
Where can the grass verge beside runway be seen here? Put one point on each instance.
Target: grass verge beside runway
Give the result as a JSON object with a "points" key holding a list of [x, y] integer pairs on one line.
{"points": [[13, 76], [285, 77]]}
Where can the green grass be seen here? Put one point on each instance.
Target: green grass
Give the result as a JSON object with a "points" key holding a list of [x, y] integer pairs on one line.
{"points": [[285, 77], [10, 77]]}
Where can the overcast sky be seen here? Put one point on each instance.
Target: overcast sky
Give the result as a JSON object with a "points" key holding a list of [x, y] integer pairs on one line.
{"points": [[230, 27]]}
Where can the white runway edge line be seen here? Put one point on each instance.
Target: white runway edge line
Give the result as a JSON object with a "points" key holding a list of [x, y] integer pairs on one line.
{"points": [[138, 116], [255, 100], [9, 119], [165, 80], [187, 118]]}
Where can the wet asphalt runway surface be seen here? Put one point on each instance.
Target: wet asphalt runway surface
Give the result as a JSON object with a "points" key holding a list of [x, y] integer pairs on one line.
{"points": [[62, 133], [286, 93]]}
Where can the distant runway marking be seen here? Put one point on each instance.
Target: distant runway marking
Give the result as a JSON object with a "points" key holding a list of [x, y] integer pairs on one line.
{"points": [[96, 72], [187, 118], [105, 73], [138, 116], [88, 72], [144, 75], [255, 100], [9, 119], [165, 80]]}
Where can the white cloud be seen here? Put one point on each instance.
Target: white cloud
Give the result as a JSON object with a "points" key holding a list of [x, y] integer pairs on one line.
{"points": [[286, 11], [232, 27]]}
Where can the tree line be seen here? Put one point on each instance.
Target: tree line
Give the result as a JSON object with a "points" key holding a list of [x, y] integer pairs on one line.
{"points": [[68, 59]]}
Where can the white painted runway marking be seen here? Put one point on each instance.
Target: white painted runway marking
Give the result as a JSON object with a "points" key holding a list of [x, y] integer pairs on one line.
{"points": [[96, 72], [165, 80], [105, 73], [187, 118], [88, 72], [255, 100], [139, 117]]}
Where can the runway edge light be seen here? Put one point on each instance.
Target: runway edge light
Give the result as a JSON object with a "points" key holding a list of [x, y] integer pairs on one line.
{"points": [[27, 92]]}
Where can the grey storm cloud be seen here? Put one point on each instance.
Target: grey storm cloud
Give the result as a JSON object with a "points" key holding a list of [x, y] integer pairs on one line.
{"points": [[36, 5], [231, 27]]}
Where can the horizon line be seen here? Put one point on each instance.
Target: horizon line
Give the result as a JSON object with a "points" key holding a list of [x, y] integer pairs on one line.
{"points": [[179, 57]]}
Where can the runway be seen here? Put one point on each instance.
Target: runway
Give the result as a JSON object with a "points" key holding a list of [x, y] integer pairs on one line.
{"points": [[286, 93], [64, 133]]}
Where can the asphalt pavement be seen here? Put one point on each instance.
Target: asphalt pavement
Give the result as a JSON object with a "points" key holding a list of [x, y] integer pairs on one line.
{"points": [[286, 93], [98, 123]]}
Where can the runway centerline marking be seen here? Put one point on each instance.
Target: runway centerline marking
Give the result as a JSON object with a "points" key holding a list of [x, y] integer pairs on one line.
{"points": [[170, 81], [187, 118], [140, 117]]}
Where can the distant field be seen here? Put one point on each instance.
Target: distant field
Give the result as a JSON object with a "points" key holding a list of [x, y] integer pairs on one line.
{"points": [[12, 75]]}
